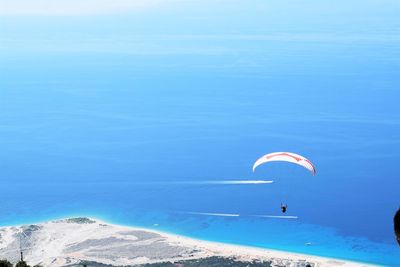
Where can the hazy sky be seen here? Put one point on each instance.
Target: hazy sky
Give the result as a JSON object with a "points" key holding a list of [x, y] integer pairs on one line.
{"points": [[76, 7], [186, 27], [72, 7]]}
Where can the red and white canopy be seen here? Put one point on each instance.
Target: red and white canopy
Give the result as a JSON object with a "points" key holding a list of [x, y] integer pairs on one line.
{"points": [[286, 156]]}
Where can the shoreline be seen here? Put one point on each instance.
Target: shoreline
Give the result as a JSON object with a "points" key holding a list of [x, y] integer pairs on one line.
{"points": [[256, 251], [209, 248]]}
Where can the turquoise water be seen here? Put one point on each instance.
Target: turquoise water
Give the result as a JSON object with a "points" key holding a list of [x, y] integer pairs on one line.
{"points": [[164, 207], [123, 116]]}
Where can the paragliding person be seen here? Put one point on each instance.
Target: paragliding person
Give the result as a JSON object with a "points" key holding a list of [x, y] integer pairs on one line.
{"points": [[286, 157], [396, 221], [283, 208]]}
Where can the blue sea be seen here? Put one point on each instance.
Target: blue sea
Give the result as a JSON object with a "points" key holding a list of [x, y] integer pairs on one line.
{"points": [[127, 118]]}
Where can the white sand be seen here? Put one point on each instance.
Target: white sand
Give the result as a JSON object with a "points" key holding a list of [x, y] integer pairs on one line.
{"points": [[69, 241]]}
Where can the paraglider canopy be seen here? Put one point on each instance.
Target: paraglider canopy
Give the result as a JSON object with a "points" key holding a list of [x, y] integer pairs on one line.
{"points": [[288, 157]]}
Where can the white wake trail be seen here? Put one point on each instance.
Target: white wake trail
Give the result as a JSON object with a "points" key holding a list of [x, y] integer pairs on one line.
{"points": [[214, 214], [226, 182], [241, 182]]}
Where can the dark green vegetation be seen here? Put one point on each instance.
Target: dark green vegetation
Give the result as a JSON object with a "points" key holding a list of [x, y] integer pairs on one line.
{"points": [[204, 262], [396, 220], [5, 263], [211, 262], [22, 264]]}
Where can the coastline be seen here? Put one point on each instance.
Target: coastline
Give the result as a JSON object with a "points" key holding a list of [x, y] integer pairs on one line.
{"points": [[187, 248], [250, 251]]}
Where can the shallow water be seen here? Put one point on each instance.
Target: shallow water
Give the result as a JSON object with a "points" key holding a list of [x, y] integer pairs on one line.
{"points": [[170, 208]]}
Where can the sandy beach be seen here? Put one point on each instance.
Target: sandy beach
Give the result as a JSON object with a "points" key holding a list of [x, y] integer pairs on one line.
{"points": [[68, 242]]}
